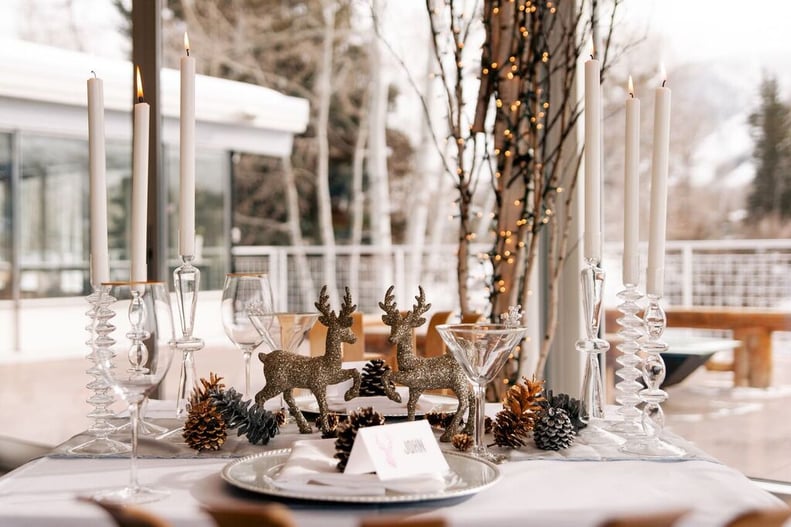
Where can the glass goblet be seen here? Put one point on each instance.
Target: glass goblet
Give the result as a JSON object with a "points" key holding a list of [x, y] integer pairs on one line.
{"points": [[481, 350], [241, 293], [137, 368]]}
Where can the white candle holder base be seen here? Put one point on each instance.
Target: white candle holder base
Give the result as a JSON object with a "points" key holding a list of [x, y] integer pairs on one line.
{"points": [[650, 443]]}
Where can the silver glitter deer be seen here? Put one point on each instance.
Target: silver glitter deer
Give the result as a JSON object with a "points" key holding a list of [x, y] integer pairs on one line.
{"points": [[423, 373], [285, 370]]}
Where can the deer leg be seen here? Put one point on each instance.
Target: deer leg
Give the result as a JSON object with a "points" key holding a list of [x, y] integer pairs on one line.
{"points": [[390, 391], [354, 391], [302, 423], [455, 424], [469, 427], [320, 393], [411, 405], [266, 393]]}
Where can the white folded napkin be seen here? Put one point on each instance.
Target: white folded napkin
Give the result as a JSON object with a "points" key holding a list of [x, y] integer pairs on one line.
{"points": [[311, 468]]}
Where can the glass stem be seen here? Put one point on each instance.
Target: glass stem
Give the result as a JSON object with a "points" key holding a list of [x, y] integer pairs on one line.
{"points": [[247, 354], [134, 417], [480, 413], [187, 378]]}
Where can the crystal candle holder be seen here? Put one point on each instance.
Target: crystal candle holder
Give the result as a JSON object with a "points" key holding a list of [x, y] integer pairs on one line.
{"points": [[186, 281], [650, 443], [628, 387]]}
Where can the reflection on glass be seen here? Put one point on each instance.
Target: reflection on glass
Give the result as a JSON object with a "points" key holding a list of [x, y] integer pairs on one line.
{"points": [[5, 216]]}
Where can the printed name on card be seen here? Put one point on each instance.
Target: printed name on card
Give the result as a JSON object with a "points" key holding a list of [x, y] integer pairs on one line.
{"points": [[396, 451]]}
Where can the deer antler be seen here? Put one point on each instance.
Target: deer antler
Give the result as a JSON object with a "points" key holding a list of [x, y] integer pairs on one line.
{"points": [[391, 316], [345, 315], [413, 317], [323, 305]]}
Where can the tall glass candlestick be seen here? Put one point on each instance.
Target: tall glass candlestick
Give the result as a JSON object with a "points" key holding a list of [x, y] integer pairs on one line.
{"points": [[653, 417], [627, 388], [101, 344], [592, 393], [186, 281]]}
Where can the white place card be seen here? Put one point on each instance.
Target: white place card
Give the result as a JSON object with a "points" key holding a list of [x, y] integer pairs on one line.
{"points": [[396, 451]]}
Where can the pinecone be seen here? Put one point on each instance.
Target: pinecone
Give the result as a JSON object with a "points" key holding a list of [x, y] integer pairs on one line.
{"points": [[333, 421], [347, 432], [281, 416], [572, 406], [249, 419], [511, 430], [371, 378], [206, 389], [553, 430], [204, 428], [439, 419], [462, 442], [488, 423], [525, 400]]}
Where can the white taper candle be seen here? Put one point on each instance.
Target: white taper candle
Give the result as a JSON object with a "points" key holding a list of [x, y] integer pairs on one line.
{"points": [[97, 168], [139, 270], [593, 235], [631, 219], [659, 170], [187, 154]]}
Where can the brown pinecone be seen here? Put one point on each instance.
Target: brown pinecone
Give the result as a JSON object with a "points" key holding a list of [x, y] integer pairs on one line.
{"points": [[462, 442], [333, 425], [204, 428], [525, 399], [511, 430], [347, 432], [371, 378], [206, 388], [439, 419], [281, 417]]}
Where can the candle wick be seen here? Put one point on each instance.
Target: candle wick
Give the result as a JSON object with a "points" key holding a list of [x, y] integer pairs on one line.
{"points": [[592, 57], [140, 99], [631, 94], [94, 73], [663, 82], [188, 52]]}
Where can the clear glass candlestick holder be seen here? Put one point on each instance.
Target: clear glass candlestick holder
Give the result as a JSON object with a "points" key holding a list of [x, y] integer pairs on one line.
{"points": [[628, 387], [100, 343], [592, 391], [650, 442], [186, 281]]}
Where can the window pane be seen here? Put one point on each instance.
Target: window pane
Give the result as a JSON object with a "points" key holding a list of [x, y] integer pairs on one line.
{"points": [[5, 216], [53, 221]]}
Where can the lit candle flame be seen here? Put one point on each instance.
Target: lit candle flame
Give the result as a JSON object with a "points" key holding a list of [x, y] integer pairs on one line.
{"points": [[663, 73], [631, 86], [186, 43], [139, 85]]}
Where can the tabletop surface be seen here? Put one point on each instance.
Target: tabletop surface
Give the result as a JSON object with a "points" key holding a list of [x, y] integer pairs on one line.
{"points": [[554, 490]]}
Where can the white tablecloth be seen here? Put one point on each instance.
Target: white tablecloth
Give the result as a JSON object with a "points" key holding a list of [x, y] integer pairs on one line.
{"points": [[532, 492]]}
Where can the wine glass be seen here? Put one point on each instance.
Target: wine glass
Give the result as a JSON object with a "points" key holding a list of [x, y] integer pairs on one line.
{"points": [[143, 315], [241, 292], [481, 350]]}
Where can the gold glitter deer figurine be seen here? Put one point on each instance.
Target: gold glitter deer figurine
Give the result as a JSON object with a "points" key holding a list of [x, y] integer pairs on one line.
{"points": [[423, 373], [285, 371]]}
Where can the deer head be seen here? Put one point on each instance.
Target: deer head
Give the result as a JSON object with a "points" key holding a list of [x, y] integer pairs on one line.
{"points": [[341, 323], [401, 325]]}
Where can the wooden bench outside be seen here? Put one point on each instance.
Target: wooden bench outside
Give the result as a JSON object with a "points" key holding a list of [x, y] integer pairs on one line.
{"points": [[752, 361]]}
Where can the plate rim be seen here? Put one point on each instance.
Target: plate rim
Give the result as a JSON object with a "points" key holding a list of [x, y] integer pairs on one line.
{"points": [[346, 498], [303, 400]]}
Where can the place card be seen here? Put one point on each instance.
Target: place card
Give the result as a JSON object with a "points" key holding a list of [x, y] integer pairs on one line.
{"points": [[396, 451]]}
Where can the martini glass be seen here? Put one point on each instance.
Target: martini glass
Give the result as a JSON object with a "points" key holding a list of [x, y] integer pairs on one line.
{"points": [[481, 350]]}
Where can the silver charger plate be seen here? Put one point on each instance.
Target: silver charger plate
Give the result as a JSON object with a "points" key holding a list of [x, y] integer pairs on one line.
{"points": [[426, 403], [255, 472]]}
